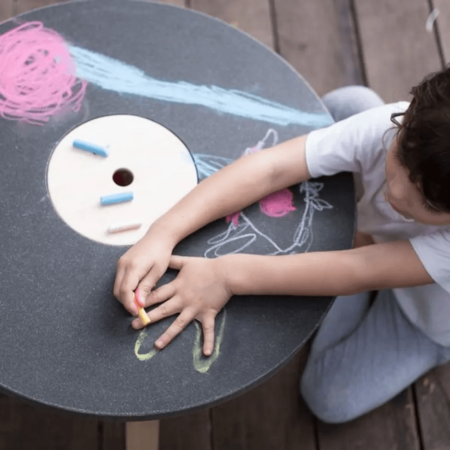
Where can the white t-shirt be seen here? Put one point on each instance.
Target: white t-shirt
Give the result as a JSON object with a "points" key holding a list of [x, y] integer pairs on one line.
{"points": [[356, 145]]}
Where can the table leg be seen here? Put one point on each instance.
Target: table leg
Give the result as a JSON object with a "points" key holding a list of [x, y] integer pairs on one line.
{"points": [[142, 435]]}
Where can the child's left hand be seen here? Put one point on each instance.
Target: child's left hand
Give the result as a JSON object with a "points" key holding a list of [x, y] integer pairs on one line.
{"points": [[200, 291]]}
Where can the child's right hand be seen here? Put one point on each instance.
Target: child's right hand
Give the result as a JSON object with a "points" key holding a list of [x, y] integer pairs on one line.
{"points": [[141, 266]]}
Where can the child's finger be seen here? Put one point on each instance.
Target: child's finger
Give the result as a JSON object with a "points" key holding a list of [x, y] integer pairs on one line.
{"points": [[163, 293], [126, 292], [177, 262], [166, 309], [137, 323], [118, 282], [208, 322], [175, 329], [139, 298], [148, 282]]}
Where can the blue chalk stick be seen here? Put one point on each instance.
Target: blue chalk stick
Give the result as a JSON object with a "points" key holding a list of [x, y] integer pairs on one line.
{"points": [[116, 198], [92, 148]]}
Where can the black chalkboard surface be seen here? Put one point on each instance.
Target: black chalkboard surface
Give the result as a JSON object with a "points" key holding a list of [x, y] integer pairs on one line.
{"points": [[65, 341]]}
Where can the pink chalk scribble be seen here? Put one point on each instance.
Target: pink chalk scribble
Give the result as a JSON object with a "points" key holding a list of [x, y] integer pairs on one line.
{"points": [[234, 218], [37, 75], [277, 204]]}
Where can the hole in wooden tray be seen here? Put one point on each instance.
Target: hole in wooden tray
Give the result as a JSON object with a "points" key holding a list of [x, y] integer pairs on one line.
{"points": [[123, 177]]}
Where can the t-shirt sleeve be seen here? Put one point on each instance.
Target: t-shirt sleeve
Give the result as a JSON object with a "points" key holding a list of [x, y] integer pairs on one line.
{"points": [[433, 251], [351, 145]]}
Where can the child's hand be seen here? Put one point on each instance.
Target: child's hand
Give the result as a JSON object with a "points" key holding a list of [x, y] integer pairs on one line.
{"points": [[199, 292], [141, 266]]}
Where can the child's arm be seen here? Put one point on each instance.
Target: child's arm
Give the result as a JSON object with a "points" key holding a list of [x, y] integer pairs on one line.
{"points": [[242, 183], [346, 272], [203, 286]]}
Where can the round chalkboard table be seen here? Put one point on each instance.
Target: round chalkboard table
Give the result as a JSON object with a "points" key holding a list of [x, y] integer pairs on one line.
{"points": [[170, 96]]}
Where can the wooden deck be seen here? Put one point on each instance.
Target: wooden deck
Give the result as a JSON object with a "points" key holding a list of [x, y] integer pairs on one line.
{"points": [[380, 43]]}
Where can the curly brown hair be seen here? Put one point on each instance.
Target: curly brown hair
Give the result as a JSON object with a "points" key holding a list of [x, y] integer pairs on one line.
{"points": [[424, 139]]}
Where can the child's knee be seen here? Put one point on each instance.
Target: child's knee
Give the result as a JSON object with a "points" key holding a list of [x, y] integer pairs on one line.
{"points": [[350, 100], [328, 398]]}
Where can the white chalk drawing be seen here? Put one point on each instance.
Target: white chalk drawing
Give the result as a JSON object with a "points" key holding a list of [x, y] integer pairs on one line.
{"points": [[245, 233], [241, 234], [209, 164]]}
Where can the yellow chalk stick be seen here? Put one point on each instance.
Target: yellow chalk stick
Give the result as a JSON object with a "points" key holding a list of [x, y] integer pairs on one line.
{"points": [[141, 311], [143, 316]]}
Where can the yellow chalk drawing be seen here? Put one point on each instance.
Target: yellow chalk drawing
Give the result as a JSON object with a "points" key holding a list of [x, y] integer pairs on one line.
{"points": [[203, 365], [137, 346]]}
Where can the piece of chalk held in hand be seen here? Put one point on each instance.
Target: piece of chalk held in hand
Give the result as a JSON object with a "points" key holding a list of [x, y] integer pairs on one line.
{"points": [[139, 303], [116, 198], [88, 147]]}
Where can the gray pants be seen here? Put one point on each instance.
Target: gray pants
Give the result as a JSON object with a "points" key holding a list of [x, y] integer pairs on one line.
{"points": [[363, 355]]}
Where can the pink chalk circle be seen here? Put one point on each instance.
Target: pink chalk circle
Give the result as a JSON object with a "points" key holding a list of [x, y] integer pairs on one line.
{"points": [[37, 75], [277, 204]]}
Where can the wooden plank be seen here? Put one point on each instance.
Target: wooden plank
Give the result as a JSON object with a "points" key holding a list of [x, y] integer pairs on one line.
{"points": [[433, 404], [112, 435], [142, 435], [6, 9], [319, 39], [398, 51], [192, 431], [251, 16], [171, 2], [443, 22], [272, 416], [22, 6], [390, 427], [27, 427]]}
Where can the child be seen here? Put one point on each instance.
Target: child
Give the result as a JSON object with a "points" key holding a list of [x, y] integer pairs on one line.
{"points": [[362, 356]]}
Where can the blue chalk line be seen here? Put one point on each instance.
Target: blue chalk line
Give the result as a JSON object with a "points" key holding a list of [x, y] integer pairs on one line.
{"points": [[114, 75]]}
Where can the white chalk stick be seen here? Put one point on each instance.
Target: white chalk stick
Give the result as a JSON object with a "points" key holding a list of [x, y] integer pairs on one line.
{"points": [[120, 228]]}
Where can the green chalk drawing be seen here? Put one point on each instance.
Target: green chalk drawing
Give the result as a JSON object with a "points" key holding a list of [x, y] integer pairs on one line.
{"points": [[203, 365], [137, 346]]}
